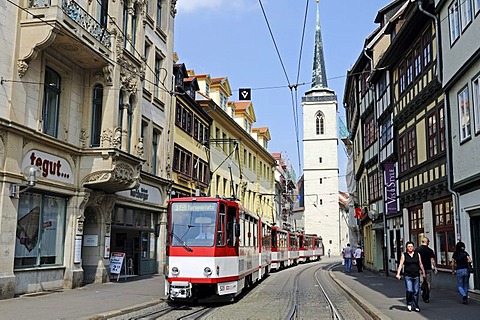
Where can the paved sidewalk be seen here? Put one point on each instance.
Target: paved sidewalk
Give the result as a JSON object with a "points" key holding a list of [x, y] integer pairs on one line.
{"points": [[93, 301], [384, 298]]}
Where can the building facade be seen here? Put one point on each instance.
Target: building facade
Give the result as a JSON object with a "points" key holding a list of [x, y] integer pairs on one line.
{"points": [[84, 143]]}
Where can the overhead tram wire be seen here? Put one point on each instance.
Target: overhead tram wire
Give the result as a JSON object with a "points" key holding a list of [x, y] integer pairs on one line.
{"points": [[295, 111], [290, 86]]}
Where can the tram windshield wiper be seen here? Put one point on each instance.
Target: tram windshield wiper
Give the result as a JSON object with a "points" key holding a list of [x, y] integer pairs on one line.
{"points": [[181, 242]]}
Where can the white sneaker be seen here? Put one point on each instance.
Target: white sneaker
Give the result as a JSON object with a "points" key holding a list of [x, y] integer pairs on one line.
{"points": [[409, 307]]}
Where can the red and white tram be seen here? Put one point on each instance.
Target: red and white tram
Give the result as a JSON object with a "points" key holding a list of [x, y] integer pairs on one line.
{"points": [[213, 248]]}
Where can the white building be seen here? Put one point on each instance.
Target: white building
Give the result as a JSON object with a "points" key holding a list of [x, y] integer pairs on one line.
{"points": [[320, 155]]}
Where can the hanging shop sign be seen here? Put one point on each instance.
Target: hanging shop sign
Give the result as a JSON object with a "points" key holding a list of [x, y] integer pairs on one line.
{"points": [[390, 188], [51, 167]]}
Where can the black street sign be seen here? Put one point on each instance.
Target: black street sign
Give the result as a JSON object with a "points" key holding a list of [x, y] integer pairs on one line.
{"points": [[244, 94]]}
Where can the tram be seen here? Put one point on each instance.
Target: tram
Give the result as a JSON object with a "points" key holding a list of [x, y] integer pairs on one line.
{"points": [[215, 248]]}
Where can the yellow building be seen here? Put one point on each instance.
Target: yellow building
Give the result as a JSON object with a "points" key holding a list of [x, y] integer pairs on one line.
{"points": [[237, 149], [191, 131]]}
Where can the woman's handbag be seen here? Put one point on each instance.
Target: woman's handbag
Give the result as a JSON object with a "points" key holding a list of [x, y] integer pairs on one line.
{"points": [[470, 268]]}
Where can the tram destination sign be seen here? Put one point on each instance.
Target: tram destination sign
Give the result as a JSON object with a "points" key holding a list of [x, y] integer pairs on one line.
{"points": [[189, 206]]}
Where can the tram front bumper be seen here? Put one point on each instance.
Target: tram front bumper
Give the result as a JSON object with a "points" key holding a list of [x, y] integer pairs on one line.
{"points": [[180, 290]]}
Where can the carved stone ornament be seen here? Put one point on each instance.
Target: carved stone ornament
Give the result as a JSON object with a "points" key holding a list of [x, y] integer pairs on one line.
{"points": [[140, 151], [106, 138], [107, 73], [22, 68], [83, 137], [173, 10], [117, 138]]}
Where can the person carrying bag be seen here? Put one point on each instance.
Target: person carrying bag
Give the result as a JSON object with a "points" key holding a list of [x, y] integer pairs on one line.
{"points": [[460, 268]]}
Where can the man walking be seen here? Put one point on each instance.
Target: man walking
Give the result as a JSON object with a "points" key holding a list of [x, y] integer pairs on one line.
{"points": [[359, 258], [347, 256], [428, 260]]}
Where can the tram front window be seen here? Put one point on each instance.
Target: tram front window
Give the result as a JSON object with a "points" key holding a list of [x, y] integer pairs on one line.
{"points": [[193, 224]]}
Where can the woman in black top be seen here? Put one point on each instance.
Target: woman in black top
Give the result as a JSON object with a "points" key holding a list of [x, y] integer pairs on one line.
{"points": [[460, 261], [413, 264]]}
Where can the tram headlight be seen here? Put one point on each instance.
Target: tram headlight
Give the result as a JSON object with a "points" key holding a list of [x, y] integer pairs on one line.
{"points": [[207, 271], [175, 271]]}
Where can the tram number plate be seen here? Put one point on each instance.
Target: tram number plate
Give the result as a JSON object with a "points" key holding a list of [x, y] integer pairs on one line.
{"points": [[227, 287]]}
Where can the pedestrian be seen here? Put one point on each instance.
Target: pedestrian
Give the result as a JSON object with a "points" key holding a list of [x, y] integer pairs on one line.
{"points": [[329, 252], [428, 261], [411, 272], [460, 261], [359, 258], [347, 256]]}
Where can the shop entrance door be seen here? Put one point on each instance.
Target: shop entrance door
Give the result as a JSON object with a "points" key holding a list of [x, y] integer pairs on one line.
{"points": [[148, 261], [475, 231]]}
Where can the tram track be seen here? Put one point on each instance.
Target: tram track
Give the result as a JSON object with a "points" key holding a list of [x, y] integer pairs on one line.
{"points": [[295, 309]]}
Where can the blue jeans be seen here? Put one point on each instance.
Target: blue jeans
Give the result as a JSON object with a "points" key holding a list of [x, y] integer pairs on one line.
{"points": [[462, 281], [348, 264], [412, 284]]}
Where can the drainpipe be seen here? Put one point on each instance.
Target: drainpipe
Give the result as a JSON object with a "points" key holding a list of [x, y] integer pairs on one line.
{"points": [[456, 197]]}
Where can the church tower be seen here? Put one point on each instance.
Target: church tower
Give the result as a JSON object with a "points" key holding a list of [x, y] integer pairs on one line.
{"points": [[320, 154]]}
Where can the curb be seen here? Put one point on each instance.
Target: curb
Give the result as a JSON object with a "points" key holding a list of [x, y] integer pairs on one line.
{"points": [[364, 304], [120, 312]]}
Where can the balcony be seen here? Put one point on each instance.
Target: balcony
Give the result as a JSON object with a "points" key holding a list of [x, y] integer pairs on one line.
{"points": [[66, 28], [110, 170]]}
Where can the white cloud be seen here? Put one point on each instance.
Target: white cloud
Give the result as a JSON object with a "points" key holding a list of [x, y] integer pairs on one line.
{"points": [[187, 6]]}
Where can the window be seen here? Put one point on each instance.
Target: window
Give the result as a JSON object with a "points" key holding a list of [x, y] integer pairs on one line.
{"points": [[129, 122], [432, 135], [409, 70], [120, 111], [370, 132], [102, 12], [97, 106], [146, 54], [320, 180], [454, 22], [155, 138], [374, 185], [159, 13], [441, 125], [476, 4], [402, 150], [51, 102], [417, 60], [416, 224], [320, 124], [207, 89], [427, 48], [412, 153], [158, 68], [40, 230], [386, 135], [464, 114], [465, 13], [476, 102], [401, 80], [320, 159], [134, 29], [182, 161], [444, 231], [125, 23]]}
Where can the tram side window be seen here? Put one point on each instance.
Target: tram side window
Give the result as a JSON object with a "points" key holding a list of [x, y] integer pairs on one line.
{"points": [[255, 233], [274, 238], [242, 233], [231, 217], [221, 226]]}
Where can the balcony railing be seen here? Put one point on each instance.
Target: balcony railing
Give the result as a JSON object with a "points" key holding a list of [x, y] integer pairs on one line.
{"points": [[86, 21]]}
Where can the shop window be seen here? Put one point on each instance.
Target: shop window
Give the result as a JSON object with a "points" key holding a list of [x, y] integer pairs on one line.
{"points": [[129, 217], [40, 230], [444, 231], [120, 216]]}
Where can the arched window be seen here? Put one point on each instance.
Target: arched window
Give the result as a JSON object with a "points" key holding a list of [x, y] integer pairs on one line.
{"points": [[97, 109], [51, 102], [320, 123]]}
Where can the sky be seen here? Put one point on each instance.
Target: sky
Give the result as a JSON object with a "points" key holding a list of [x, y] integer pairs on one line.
{"points": [[231, 38]]}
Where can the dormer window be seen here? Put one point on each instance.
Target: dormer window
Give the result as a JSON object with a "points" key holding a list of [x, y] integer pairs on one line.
{"points": [[207, 89]]}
